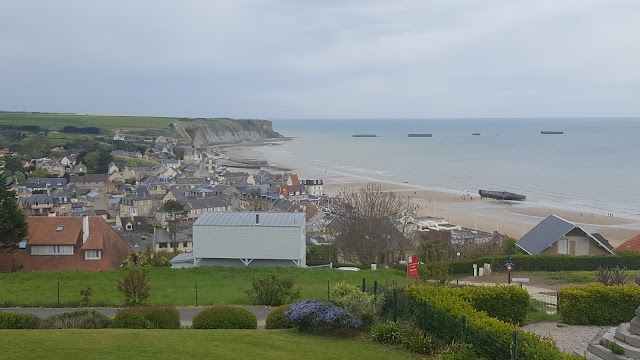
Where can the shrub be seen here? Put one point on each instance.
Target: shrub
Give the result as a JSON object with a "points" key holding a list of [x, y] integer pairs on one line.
{"points": [[597, 304], [404, 334], [225, 317], [135, 288], [85, 296], [317, 316], [364, 306], [277, 320], [160, 317], [272, 290], [131, 319], [616, 348], [612, 276], [506, 303], [10, 320], [83, 319]]}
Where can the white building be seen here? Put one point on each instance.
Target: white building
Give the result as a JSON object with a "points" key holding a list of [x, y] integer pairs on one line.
{"points": [[314, 187], [249, 239]]}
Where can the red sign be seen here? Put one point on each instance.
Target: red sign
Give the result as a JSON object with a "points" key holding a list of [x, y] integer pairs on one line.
{"points": [[412, 266]]}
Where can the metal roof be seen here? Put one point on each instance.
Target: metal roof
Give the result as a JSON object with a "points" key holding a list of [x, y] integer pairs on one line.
{"points": [[547, 232], [268, 219]]}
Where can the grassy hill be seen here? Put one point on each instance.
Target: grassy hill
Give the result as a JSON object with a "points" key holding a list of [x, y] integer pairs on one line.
{"points": [[108, 122]]}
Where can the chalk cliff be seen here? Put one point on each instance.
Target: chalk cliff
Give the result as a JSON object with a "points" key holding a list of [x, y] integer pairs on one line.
{"points": [[228, 131]]}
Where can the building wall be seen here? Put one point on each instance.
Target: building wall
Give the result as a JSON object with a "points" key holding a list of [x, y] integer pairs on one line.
{"points": [[254, 242], [553, 249], [254, 263]]}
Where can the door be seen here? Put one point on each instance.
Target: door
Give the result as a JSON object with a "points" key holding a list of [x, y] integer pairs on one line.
{"points": [[572, 247]]}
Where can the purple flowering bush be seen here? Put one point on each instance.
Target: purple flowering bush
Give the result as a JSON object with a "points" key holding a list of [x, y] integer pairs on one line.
{"points": [[320, 317]]}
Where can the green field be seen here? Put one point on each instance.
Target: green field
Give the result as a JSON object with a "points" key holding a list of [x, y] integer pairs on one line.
{"points": [[136, 162], [174, 286], [186, 344], [58, 121]]}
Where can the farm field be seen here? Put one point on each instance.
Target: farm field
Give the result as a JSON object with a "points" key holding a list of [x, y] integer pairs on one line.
{"points": [[58, 121], [187, 344], [175, 286]]}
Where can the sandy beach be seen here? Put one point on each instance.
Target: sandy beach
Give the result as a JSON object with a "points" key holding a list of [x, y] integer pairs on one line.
{"points": [[465, 208]]}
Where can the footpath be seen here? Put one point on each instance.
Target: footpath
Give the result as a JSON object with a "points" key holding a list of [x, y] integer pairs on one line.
{"points": [[541, 294]]}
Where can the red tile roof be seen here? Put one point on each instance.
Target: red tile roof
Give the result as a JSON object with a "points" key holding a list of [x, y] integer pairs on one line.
{"points": [[101, 237], [632, 244], [43, 230]]}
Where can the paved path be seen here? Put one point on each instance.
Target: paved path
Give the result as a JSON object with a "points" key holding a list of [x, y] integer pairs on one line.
{"points": [[186, 313], [545, 295]]}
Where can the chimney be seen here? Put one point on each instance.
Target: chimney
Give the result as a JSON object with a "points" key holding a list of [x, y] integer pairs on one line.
{"points": [[85, 229], [257, 219]]}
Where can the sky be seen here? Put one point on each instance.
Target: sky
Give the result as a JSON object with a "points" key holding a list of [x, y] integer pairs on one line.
{"points": [[300, 59]]}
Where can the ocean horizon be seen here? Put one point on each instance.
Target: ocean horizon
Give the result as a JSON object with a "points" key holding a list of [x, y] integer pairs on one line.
{"points": [[590, 168]]}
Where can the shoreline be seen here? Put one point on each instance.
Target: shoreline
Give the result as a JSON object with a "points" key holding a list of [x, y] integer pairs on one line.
{"points": [[512, 218]]}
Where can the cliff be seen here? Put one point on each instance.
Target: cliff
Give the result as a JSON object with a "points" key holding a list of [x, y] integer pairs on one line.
{"points": [[227, 131]]}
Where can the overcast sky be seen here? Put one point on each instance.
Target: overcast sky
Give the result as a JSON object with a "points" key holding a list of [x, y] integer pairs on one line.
{"points": [[322, 59]]}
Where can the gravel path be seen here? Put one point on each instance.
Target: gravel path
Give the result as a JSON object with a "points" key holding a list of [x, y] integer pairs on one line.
{"points": [[567, 337]]}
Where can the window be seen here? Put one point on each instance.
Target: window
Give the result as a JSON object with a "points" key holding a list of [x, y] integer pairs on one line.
{"points": [[59, 228], [129, 227], [162, 245], [52, 250], [185, 244], [92, 254]]}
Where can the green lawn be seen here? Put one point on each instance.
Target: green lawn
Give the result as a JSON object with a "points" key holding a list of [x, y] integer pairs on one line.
{"points": [[186, 344], [136, 162], [174, 286]]}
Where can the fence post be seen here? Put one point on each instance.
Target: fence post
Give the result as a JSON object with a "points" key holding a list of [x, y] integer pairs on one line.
{"points": [[364, 284], [375, 289], [196, 293], [328, 290], [395, 305], [464, 328], [557, 302], [514, 349], [58, 293]]}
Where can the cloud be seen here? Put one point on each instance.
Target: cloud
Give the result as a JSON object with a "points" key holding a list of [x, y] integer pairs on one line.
{"points": [[311, 59]]}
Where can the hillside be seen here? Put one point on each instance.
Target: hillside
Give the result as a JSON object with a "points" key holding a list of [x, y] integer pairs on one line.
{"points": [[200, 131]]}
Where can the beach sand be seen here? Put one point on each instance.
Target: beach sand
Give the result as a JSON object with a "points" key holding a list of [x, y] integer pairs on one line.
{"points": [[512, 218]]}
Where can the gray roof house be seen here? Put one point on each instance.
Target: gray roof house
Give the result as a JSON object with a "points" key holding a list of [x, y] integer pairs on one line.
{"points": [[555, 235], [249, 239]]}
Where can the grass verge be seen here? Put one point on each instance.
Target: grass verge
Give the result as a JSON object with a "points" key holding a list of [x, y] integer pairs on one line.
{"points": [[187, 344]]}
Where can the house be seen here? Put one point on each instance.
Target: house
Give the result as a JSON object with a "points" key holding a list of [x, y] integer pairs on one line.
{"points": [[555, 235], [295, 192], [184, 239], [192, 155], [118, 136], [68, 160], [632, 244], [138, 204], [58, 243], [46, 183], [314, 187], [291, 179], [80, 168], [249, 239]]}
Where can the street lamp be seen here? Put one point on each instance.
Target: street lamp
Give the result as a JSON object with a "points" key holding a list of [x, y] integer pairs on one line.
{"points": [[509, 265]]}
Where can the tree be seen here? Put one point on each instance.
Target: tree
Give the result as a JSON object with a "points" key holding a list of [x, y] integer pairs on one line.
{"points": [[371, 222], [104, 159], [13, 222], [175, 212], [135, 288], [40, 173]]}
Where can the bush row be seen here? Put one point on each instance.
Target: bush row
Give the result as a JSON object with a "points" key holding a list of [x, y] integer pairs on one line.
{"points": [[225, 317], [84, 319], [596, 304], [10, 320], [546, 263], [489, 336], [277, 319]]}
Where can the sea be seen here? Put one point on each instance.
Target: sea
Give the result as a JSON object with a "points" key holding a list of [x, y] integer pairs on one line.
{"points": [[592, 167]]}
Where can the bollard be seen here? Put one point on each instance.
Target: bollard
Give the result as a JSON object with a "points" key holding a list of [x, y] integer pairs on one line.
{"points": [[364, 284]]}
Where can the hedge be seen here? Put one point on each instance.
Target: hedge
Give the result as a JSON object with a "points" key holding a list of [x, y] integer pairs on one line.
{"points": [[546, 263], [160, 317], [490, 337], [225, 317], [277, 320], [507, 303], [596, 304], [9, 320]]}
